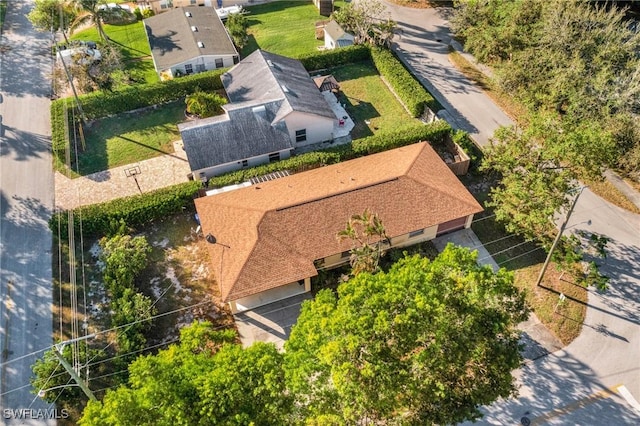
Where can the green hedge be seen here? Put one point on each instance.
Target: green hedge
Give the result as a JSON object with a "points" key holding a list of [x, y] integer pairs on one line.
{"points": [[410, 90], [101, 104], [470, 148], [436, 132], [138, 210], [135, 211], [335, 57]]}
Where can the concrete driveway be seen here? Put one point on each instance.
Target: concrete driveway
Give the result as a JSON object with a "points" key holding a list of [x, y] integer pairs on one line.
{"points": [[270, 323]]}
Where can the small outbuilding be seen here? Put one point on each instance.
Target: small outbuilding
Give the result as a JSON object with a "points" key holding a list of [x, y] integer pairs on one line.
{"points": [[335, 36]]}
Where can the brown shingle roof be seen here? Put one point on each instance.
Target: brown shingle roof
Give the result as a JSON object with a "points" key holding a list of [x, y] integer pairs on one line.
{"points": [[276, 229]]}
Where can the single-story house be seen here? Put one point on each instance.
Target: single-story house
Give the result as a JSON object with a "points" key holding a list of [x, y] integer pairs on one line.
{"points": [[269, 239], [244, 136], [189, 40], [292, 104], [335, 36]]}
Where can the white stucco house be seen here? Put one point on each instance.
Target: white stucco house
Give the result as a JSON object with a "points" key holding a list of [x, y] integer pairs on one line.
{"points": [[274, 107], [335, 36], [189, 40]]}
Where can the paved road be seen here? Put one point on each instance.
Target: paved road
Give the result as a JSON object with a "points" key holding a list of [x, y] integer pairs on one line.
{"points": [[581, 383], [423, 42], [26, 201], [596, 379]]}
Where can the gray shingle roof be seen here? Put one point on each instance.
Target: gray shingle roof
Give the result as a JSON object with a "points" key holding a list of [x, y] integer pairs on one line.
{"points": [[263, 76], [173, 41], [245, 131]]}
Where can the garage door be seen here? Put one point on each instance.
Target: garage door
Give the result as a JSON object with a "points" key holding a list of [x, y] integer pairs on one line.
{"points": [[452, 225]]}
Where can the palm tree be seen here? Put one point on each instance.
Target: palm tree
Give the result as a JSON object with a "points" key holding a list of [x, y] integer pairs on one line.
{"points": [[368, 236], [89, 11]]}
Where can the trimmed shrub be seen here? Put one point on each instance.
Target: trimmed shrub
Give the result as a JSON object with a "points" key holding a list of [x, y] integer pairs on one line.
{"points": [[98, 219], [335, 57], [412, 93], [435, 132], [59, 133]]}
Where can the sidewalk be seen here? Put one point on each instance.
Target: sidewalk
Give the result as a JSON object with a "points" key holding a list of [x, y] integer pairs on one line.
{"points": [[152, 174], [538, 341]]}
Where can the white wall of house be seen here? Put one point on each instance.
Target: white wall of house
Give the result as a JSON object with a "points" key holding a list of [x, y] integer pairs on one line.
{"points": [[270, 296], [203, 63], [237, 165], [317, 128]]}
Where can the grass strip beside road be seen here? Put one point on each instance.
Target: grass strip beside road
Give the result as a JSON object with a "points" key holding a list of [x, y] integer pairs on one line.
{"points": [[3, 13]]}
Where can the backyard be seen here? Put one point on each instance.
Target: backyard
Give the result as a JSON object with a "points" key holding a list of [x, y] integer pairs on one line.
{"points": [[368, 100], [130, 137], [284, 27]]}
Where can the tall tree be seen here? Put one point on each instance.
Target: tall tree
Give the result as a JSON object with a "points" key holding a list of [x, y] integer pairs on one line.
{"points": [[48, 15], [88, 11], [427, 342], [207, 379], [369, 21], [368, 236]]}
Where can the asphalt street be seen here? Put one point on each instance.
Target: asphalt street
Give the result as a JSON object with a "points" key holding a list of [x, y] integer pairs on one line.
{"points": [[596, 379], [26, 202], [422, 42]]}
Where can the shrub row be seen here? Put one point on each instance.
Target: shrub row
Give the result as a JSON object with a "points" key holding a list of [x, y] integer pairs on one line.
{"points": [[436, 132], [101, 104], [335, 57], [98, 219], [410, 91]]}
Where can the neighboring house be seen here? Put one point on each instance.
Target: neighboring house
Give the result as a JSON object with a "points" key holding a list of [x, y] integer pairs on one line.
{"points": [[335, 36], [293, 105], [244, 136], [159, 6], [189, 40], [270, 238]]}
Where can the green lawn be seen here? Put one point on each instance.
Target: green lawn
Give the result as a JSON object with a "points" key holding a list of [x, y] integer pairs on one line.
{"points": [[133, 44], [283, 27], [369, 101], [130, 137], [3, 12]]}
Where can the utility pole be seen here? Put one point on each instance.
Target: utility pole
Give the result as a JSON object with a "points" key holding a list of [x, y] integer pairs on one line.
{"points": [[557, 240], [57, 350]]}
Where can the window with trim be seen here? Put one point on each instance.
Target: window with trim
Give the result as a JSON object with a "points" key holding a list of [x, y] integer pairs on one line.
{"points": [[188, 69], [301, 135], [345, 254], [219, 63], [164, 6], [193, 1], [200, 67], [245, 163], [236, 59], [274, 157], [416, 233]]}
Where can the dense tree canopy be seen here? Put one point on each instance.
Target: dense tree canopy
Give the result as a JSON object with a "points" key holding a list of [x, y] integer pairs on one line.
{"points": [[46, 15], [427, 342], [207, 379], [575, 65], [369, 21]]}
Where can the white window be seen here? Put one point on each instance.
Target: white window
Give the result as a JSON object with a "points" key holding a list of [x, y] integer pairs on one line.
{"points": [[219, 63], [301, 135]]}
